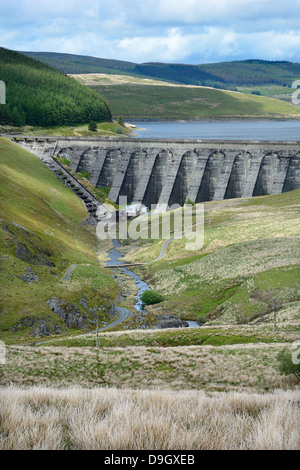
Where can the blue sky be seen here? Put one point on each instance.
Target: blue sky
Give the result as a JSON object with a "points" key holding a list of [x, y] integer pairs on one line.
{"points": [[182, 31]]}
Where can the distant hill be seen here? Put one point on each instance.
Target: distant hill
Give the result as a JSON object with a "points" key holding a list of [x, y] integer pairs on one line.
{"points": [[37, 94], [71, 63], [218, 75]]}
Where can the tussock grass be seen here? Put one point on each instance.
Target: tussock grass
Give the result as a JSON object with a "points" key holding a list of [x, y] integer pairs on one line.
{"points": [[82, 419], [228, 367]]}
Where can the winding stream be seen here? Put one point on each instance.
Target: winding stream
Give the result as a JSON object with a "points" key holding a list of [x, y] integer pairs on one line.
{"points": [[114, 259]]}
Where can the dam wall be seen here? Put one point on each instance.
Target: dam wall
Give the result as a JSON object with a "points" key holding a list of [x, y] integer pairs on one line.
{"points": [[165, 172]]}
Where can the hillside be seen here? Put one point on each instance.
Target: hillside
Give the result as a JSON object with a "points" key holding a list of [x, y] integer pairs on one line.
{"points": [[52, 99], [142, 99], [250, 256], [235, 73], [40, 238], [37, 94]]}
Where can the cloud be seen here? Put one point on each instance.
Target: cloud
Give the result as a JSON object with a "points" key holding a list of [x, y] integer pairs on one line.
{"points": [[212, 45], [192, 31]]}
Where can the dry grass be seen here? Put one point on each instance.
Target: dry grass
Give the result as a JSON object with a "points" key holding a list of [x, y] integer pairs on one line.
{"points": [[108, 418], [242, 367], [94, 79]]}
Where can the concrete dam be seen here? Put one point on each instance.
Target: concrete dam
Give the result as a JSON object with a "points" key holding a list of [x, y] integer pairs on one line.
{"points": [[166, 172]]}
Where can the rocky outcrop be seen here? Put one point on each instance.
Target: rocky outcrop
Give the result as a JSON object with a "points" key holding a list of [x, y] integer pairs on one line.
{"points": [[30, 276], [27, 246], [71, 314], [144, 320], [40, 326], [170, 321]]}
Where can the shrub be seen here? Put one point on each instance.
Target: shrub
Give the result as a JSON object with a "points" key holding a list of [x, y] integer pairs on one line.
{"points": [[63, 161], [85, 174], [119, 130], [150, 297], [286, 364], [120, 121], [93, 126], [200, 320], [189, 202]]}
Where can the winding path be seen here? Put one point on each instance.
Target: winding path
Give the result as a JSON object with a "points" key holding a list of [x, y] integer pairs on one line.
{"points": [[124, 312], [70, 271], [162, 251]]}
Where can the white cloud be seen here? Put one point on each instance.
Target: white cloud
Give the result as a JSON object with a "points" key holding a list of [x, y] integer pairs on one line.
{"points": [[167, 48], [192, 31], [212, 45]]}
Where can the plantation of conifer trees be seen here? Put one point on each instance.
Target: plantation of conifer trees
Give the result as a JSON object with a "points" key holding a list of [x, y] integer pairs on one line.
{"points": [[37, 94]]}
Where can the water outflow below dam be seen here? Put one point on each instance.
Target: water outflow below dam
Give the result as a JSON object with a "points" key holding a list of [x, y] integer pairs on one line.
{"points": [[114, 260]]}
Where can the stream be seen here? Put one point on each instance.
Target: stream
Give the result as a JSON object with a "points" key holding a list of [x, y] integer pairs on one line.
{"points": [[114, 259]]}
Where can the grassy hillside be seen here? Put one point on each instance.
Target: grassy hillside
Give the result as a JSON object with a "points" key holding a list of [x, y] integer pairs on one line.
{"points": [[37, 94], [250, 256], [134, 101], [40, 238], [73, 63], [255, 72], [235, 73], [148, 101]]}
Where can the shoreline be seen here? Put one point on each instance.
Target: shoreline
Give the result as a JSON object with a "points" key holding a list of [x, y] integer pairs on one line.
{"points": [[210, 119]]}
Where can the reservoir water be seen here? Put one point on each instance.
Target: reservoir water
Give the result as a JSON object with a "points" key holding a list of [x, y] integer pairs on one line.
{"points": [[288, 130]]}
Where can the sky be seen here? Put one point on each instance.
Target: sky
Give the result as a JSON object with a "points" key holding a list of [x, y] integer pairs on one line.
{"points": [[178, 31]]}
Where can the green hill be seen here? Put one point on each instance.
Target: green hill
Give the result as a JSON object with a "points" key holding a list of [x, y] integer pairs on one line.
{"points": [[235, 73], [37, 94], [139, 101], [40, 238], [134, 101], [223, 74], [74, 64]]}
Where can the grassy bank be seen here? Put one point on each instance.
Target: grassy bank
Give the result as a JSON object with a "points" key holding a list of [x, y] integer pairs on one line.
{"points": [[220, 335], [80, 130], [40, 238]]}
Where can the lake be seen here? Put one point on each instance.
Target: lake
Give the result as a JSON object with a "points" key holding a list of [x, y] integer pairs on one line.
{"points": [[220, 130]]}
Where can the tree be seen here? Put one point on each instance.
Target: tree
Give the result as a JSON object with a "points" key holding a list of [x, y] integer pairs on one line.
{"points": [[120, 121], [93, 126], [150, 297]]}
